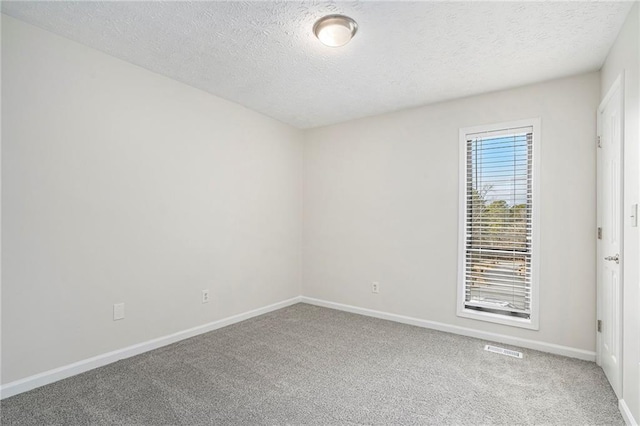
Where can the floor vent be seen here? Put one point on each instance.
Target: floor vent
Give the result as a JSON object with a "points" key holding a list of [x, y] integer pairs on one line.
{"points": [[503, 351]]}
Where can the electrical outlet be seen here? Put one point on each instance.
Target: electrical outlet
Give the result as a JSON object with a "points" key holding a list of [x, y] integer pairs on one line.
{"points": [[375, 287], [118, 311], [205, 296]]}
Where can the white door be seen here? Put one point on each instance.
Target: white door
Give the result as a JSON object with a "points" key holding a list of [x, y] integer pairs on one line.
{"points": [[610, 223]]}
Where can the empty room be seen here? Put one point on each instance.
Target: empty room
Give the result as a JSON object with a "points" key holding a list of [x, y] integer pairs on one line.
{"points": [[310, 212]]}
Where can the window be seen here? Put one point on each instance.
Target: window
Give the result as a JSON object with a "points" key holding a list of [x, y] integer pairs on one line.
{"points": [[498, 223]]}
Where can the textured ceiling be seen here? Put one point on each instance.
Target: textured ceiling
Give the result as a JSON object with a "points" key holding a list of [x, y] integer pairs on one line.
{"points": [[264, 56]]}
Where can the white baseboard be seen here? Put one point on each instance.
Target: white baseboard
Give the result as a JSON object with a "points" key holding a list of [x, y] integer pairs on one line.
{"points": [[469, 332], [41, 379], [626, 413]]}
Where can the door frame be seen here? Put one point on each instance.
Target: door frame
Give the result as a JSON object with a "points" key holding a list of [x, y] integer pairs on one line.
{"points": [[618, 84]]}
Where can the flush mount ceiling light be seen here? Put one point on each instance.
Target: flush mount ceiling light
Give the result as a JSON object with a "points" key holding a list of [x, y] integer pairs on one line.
{"points": [[335, 30]]}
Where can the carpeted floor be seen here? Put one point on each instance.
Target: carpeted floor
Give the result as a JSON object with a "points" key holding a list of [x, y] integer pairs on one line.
{"points": [[310, 365]]}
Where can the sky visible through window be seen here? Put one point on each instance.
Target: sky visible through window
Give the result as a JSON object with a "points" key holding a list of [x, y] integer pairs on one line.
{"points": [[499, 168]]}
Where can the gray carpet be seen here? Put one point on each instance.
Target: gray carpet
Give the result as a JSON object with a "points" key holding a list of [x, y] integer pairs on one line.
{"points": [[310, 365]]}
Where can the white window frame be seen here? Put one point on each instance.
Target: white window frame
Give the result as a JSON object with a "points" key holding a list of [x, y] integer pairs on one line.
{"points": [[533, 321]]}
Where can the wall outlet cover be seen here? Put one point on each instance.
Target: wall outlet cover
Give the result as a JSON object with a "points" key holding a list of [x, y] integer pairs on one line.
{"points": [[118, 311]]}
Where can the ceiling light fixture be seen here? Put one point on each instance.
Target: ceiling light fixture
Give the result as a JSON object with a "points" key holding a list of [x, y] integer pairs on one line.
{"points": [[335, 30]]}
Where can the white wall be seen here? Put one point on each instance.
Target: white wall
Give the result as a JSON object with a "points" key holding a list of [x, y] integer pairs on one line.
{"points": [[120, 185], [625, 56], [381, 204]]}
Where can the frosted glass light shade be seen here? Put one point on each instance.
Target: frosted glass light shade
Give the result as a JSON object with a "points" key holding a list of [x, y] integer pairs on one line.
{"points": [[335, 30]]}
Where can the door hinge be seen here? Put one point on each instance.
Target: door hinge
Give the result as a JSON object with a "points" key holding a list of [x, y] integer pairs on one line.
{"points": [[599, 326], [599, 144], [599, 233]]}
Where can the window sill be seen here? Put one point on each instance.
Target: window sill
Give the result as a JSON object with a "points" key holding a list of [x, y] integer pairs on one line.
{"points": [[530, 324]]}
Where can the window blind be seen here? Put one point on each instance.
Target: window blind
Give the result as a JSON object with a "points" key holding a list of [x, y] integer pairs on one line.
{"points": [[498, 235]]}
